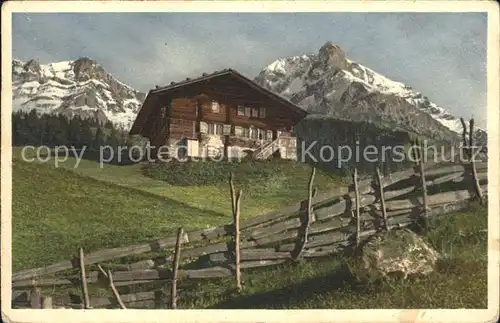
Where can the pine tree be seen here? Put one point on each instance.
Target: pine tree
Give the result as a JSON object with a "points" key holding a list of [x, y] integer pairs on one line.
{"points": [[124, 138], [109, 125], [31, 128], [16, 131], [86, 136], [61, 135], [74, 132], [99, 138], [113, 140], [46, 130]]}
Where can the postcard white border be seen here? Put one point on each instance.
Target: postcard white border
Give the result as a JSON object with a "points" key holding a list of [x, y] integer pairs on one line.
{"points": [[369, 315]]}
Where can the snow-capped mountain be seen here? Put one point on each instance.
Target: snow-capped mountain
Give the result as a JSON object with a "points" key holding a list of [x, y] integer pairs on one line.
{"points": [[81, 87], [329, 84]]}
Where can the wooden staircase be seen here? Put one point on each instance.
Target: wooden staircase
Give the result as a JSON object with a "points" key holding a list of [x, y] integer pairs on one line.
{"points": [[267, 150]]}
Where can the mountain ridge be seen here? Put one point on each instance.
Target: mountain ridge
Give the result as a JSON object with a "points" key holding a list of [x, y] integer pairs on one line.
{"points": [[328, 84], [80, 87]]}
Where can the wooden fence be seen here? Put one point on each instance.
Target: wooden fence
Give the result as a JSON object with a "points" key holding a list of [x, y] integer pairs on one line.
{"points": [[321, 225]]}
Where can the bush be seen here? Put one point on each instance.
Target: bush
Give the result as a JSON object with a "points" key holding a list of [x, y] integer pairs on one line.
{"points": [[270, 173]]}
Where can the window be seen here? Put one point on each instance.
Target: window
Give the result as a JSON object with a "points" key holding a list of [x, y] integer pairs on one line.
{"points": [[211, 128], [262, 112], [238, 131], [163, 112], [262, 134], [255, 112], [219, 129], [227, 129], [269, 135], [246, 132], [215, 107], [203, 127], [254, 133], [241, 110], [247, 111]]}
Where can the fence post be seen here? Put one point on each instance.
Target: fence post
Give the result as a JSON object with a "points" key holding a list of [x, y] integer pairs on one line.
{"points": [[464, 136], [358, 217], [47, 302], [35, 296], [83, 277], [423, 183], [382, 199], [235, 203], [479, 193], [175, 269], [237, 241], [233, 193], [310, 194]]}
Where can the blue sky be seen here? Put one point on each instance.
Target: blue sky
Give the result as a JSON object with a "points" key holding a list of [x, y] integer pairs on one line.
{"points": [[442, 55]]}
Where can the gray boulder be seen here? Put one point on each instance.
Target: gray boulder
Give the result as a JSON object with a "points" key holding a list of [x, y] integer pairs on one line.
{"points": [[397, 253]]}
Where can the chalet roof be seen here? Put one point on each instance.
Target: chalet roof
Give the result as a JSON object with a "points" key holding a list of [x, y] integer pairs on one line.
{"points": [[236, 76]]}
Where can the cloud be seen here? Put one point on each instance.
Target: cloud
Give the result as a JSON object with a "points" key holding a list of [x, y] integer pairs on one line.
{"points": [[442, 55]]}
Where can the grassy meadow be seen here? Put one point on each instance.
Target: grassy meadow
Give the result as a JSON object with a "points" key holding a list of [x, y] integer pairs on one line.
{"points": [[112, 206]]}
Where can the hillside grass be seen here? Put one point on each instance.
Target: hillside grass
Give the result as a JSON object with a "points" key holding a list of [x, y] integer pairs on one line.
{"points": [[286, 181], [57, 210]]}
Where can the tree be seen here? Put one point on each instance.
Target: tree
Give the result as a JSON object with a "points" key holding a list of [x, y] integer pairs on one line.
{"points": [[99, 138], [109, 125], [31, 128], [74, 132], [113, 140], [86, 135]]}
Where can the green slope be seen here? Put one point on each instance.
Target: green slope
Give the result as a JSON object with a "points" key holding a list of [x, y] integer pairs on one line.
{"points": [[57, 210], [259, 196]]}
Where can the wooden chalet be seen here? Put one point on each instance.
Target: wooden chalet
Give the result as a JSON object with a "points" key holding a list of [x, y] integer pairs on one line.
{"points": [[223, 113]]}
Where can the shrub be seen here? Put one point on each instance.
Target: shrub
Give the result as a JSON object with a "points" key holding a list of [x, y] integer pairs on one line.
{"points": [[269, 173]]}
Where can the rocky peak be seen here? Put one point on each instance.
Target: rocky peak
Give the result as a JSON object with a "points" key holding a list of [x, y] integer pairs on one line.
{"points": [[86, 68], [328, 83], [33, 66], [17, 63], [81, 87], [30, 71], [333, 56]]}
